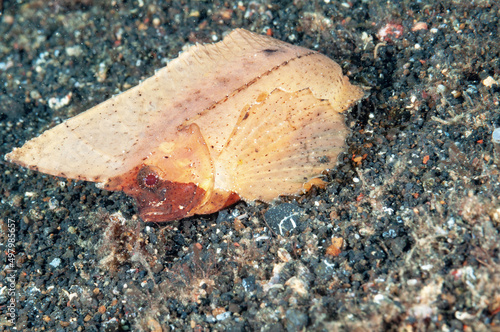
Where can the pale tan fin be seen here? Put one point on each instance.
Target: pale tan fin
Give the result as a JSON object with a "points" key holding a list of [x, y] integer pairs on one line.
{"points": [[118, 134], [280, 144]]}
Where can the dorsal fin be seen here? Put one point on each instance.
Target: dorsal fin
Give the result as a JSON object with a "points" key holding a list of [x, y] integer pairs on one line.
{"points": [[114, 136]]}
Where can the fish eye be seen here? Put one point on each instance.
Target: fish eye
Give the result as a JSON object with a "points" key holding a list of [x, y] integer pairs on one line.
{"points": [[148, 178], [151, 179]]}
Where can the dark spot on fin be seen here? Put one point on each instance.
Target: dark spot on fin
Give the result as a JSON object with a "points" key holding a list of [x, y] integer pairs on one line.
{"points": [[270, 50]]}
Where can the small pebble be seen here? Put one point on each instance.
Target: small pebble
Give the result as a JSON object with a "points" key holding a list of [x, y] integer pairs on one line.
{"points": [[223, 316], [489, 81], [34, 94], [55, 262], [283, 218], [75, 50], [8, 19], [495, 137], [53, 203], [295, 320]]}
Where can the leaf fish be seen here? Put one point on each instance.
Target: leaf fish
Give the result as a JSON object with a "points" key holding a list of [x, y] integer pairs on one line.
{"points": [[250, 117]]}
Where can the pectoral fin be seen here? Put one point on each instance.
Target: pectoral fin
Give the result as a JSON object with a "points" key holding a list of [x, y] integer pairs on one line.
{"points": [[280, 144]]}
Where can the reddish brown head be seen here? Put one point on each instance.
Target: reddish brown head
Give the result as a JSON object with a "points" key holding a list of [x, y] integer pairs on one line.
{"points": [[162, 200], [175, 181]]}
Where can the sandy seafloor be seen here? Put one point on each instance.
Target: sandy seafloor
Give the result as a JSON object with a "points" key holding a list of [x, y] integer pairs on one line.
{"points": [[414, 198]]}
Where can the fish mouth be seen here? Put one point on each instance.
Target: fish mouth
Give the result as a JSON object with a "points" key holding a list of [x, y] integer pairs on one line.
{"points": [[155, 214], [163, 213]]}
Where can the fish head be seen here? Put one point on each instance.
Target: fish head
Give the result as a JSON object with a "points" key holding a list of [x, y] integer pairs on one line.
{"points": [[173, 181], [160, 199]]}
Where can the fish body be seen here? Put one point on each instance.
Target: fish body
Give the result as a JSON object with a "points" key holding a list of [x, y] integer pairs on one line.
{"points": [[250, 117]]}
